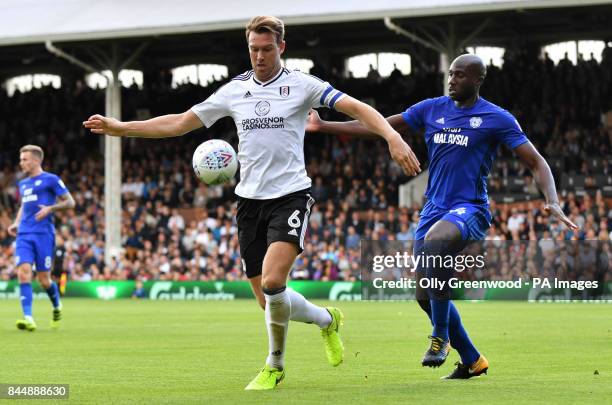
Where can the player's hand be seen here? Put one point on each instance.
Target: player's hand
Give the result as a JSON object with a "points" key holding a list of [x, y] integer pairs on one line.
{"points": [[555, 210], [313, 124], [404, 156], [101, 125], [44, 211], [12, 230]]}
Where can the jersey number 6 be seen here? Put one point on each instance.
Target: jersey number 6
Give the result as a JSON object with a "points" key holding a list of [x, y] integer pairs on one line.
{"points": [[293, 220]]}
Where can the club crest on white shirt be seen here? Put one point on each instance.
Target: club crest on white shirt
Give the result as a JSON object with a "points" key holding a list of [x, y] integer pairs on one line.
{"points": [[284, 91]]}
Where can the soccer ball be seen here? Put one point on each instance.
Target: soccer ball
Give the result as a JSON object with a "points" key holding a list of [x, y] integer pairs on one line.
{"points": [[215, 162]]}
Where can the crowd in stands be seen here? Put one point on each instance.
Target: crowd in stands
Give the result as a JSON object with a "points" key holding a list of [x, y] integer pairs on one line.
{"points": [[355, 182]]}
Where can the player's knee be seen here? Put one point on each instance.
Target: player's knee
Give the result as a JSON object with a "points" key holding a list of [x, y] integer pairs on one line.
{"points": [[432, 236], [272, 282], [438, 236], [273, 285], [274, 278], [443, 231], [24, 273]]}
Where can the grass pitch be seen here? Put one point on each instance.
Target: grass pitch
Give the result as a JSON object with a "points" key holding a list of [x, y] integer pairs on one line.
{"points": [[206, 352]]}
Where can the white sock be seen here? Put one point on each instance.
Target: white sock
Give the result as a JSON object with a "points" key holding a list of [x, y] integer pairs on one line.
{"points": [[278, 309], [305, 311]]}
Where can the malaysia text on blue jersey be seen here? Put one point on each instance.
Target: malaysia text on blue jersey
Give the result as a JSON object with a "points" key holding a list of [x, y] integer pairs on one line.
{"points": [[462, 144]]}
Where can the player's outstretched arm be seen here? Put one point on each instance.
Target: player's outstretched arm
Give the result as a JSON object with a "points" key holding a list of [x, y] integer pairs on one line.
{"points": [[352, 128], [376, 123], [164, 126], [12, 229], [544, 179]]}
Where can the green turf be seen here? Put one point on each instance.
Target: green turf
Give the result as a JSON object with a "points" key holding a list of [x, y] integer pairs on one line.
{"points": [[206, 352]]}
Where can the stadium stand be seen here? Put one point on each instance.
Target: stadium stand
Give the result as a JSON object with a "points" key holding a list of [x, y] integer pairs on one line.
{"points": [[175, 228]]}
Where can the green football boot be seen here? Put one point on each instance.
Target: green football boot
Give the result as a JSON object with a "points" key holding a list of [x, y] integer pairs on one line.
{"points": [[57, 316], [267, 379], [334, 349], [26, 324]]}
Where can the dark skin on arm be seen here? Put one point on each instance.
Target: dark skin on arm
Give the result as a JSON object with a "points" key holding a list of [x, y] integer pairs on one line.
{"points": [[466, 75]]}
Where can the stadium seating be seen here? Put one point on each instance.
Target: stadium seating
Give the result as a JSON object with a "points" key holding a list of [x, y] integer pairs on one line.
{"points": [[177, 229]]}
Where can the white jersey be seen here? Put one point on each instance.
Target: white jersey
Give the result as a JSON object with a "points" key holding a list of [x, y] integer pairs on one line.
{"points": [[271, 121]]}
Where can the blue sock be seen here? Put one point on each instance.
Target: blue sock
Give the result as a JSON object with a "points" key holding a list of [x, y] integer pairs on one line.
{"points": [[439, 298], [53, 293], [26, 298], [460, 339], [440, 317]]}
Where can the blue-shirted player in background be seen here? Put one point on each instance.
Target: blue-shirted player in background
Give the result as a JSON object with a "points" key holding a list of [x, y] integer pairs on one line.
{"points": [[463, 132], [35, 231]]}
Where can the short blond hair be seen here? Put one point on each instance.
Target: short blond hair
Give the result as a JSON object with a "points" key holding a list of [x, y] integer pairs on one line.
{"points": [[34, 150], [267, 23]]}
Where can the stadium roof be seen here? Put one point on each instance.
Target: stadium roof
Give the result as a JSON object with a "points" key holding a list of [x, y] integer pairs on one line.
{"points": [[183, 32], [35, 21]]}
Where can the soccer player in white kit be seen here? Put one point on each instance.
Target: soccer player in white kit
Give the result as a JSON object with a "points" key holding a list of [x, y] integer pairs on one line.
{"points": [[270, 106]]}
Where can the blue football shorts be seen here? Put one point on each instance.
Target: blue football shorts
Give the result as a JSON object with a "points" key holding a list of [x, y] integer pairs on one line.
{"points": [[472, 220], [37, 249]]}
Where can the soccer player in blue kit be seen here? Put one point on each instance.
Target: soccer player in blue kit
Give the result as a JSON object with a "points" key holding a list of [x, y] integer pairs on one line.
{"points": [[35, 231], [463, 132]]}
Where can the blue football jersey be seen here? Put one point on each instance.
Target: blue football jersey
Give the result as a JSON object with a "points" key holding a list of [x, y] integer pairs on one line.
{"points": [[34, 191], [461, 145]]}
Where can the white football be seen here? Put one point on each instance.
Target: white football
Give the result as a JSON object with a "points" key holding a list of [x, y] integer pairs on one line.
{"points": [[215, 162]]}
